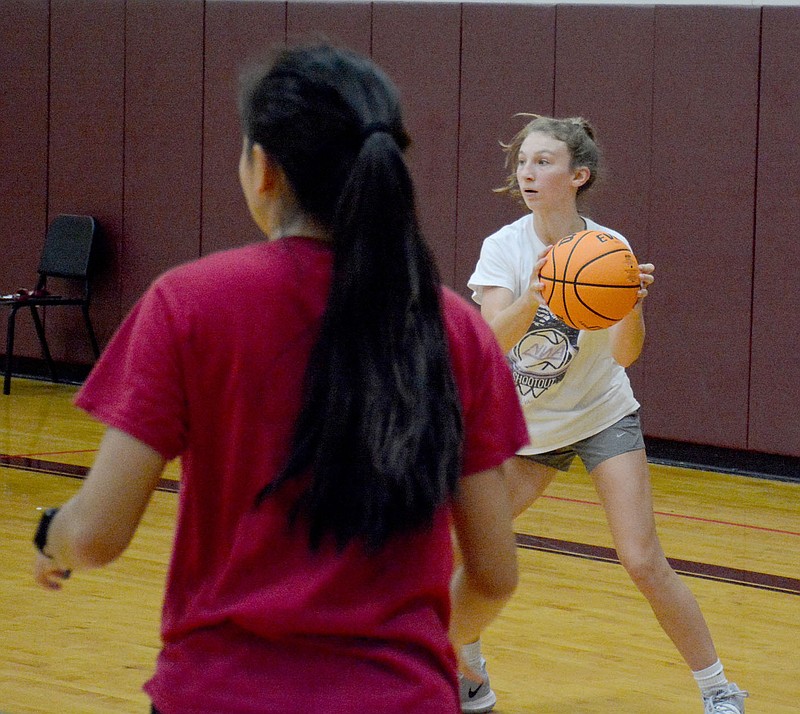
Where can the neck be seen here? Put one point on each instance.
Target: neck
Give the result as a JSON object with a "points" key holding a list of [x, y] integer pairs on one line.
{"points": [[298, 225], [552, 227]]}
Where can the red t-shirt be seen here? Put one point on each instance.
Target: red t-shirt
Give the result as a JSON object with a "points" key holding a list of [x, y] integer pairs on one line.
{"points": [[209, 366]]}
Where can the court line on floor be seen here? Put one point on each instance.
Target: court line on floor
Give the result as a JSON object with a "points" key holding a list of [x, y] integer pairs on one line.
{"points": [[54, 468], [683, 516], [705, 571], [28, 463], [57, 453]]}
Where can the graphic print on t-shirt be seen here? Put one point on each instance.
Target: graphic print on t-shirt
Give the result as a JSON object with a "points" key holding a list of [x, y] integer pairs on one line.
{"points": [[541, 358]]}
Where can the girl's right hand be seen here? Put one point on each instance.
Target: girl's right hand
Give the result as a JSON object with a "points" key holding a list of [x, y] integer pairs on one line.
{"points": [[536, 286]]}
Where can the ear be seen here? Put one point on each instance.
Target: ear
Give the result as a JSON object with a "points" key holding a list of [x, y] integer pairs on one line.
{"points": [[581, 176], [266, 172]]}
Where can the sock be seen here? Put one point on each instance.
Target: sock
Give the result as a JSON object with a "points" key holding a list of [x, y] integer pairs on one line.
{"points": [[711, 679], [471, 654]]}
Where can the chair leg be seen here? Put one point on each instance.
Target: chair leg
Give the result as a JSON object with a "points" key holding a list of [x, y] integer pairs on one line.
{"points": [[37, 322], [9, 350], [92, 336]]}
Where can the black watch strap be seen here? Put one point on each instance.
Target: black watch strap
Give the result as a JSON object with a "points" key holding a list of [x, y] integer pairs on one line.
{"points": [[40, 539]]}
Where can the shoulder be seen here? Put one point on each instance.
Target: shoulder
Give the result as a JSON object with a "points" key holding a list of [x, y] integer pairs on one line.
{"points": [[511, 233], [240, 270], [206, 271]]}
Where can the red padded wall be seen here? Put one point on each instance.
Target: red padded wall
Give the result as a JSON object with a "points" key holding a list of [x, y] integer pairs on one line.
{"points": [[236, 34], [163, 139], [496, 83], [418, 46], [139, 127], [705, 92], [604, 72], [23, 152], [775, 358], [345, 24], [86, 152]]}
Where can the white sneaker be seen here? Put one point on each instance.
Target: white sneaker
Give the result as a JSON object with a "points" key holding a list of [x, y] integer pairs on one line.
{"points": [[476, 697], [729, 700]]}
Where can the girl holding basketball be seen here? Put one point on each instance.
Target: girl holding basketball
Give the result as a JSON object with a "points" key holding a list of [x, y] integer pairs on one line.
{"points": [[575, 393]]}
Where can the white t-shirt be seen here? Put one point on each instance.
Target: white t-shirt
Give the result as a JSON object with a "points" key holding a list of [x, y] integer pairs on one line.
{"points": [[569, 385]]}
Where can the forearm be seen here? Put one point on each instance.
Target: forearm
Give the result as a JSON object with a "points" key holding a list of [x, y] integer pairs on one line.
{"points": [[97, 524], [74, 542], [487, 574], [472, 609], [627, 337], [510, 324]]}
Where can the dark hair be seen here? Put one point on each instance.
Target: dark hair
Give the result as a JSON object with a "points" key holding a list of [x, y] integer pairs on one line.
{"points": [[379, 433], [576, 132]]}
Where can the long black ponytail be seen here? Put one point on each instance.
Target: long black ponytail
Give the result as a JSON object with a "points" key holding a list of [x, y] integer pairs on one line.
{"points": [[379, 432]]}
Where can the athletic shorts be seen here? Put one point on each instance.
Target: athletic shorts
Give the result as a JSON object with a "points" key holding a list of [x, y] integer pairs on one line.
{"points": [[619, 438]]}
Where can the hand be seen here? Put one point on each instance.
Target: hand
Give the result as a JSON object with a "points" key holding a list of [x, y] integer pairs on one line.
{"points": [[536, 286], [47, 573], [465, 669], [646, 279]]}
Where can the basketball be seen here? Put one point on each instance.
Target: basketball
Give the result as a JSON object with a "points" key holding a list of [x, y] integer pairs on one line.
{"points": [[591, 280]]}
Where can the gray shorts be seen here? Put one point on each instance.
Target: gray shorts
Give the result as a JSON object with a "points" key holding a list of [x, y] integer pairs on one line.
{"points": [[619, 438]]}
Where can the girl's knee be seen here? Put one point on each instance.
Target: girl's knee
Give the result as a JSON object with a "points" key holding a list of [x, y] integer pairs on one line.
{"points": [[648, 569]]}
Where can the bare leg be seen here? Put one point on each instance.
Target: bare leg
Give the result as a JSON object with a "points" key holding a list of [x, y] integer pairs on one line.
{"points": [[526, 481], [623, 484]]}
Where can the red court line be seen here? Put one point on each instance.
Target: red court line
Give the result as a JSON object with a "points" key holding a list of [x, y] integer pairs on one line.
{"points": [[54, 453], [684, 517]]}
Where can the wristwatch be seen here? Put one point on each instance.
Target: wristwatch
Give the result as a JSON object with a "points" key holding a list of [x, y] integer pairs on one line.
{"points": [[40, 539]]}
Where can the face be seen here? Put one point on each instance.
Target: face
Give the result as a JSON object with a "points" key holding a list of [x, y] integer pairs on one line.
{"points": [[544, 174]]}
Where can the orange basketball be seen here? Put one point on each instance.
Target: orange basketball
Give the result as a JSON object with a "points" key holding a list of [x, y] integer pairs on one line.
{"points": [[591, 280]]}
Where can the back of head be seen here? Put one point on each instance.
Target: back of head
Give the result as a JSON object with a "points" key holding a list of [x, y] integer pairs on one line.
{"points": [[310, 110], [379, 430]]}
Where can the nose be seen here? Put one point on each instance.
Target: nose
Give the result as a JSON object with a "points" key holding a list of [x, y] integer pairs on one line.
{"points": [[525, 171]]}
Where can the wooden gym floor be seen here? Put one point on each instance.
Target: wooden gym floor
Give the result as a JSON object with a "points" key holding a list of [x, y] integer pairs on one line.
{"points": [[577, 637]]}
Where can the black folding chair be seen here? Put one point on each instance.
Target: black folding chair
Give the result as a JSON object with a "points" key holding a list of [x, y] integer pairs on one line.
{"points": [[66, 254]]}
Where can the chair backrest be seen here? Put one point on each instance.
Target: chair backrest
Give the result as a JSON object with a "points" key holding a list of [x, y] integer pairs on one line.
{"points": [[67, 248]]}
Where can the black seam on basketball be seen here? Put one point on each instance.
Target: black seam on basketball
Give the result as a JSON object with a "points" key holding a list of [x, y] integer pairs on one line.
{"points": [[594, 312], [599, 257], [605, 285], [590, 309], [579, 236], [594, 285]]}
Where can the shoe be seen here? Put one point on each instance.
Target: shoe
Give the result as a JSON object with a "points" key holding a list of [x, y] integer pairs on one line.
{"points": [[729, 700], [476, 697]]}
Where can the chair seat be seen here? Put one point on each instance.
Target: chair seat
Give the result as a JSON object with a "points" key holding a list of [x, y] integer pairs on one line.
{"points": [[48, 300]]}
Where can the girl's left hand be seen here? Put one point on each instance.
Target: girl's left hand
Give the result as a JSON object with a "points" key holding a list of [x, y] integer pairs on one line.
{"points": [[646, 279], [536, 286], [47, 573]]}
